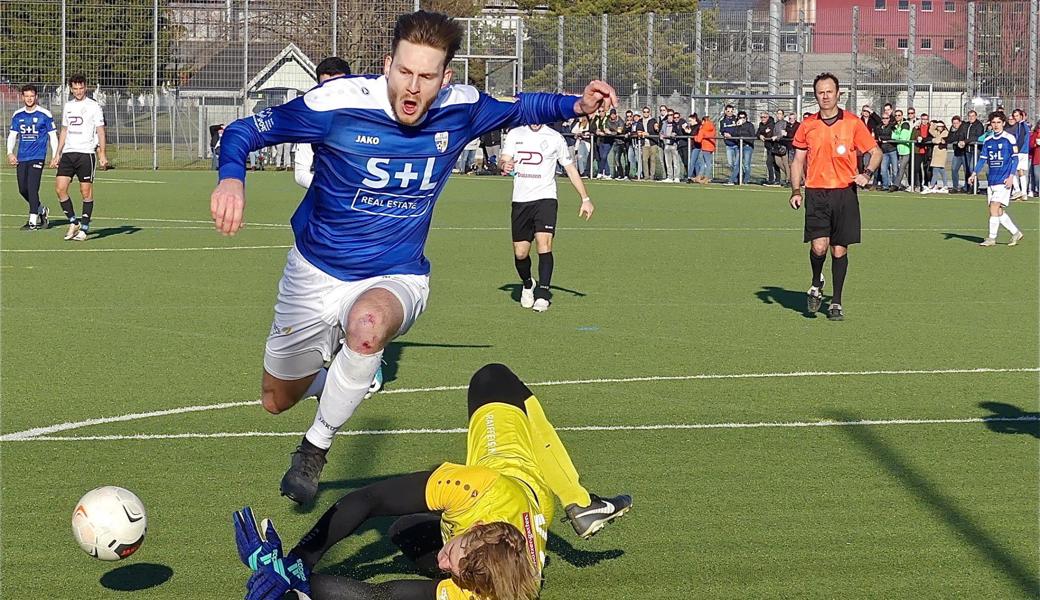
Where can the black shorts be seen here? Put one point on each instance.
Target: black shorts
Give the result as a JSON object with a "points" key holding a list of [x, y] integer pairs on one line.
{"points": [[534, 217], [78, 164], [833, 214]]}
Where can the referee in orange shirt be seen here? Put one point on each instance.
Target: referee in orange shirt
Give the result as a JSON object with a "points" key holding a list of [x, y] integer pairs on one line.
{"points": [[830, 141]]}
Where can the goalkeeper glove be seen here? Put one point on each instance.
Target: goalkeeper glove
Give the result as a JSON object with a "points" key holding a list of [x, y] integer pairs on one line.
{"points": [[273, 580], [257, 546]]}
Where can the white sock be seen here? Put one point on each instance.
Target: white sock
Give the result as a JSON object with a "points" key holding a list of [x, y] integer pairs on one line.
{"points": [[34, 219], [994, 227], [345, 387], [1005, 220], [1023, 183], [318, 384]]}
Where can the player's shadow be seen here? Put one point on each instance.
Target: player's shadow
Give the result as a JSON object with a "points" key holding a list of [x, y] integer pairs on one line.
{"points": [[97, 234], [962, 236], [577, 557], [945, 508], [514, 290], [136, 577], [393, 352], [789, 299], [1007, 418], [350, 454]]}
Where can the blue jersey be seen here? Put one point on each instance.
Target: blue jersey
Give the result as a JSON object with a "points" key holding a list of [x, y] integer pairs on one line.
{"points": [[368, 210], [32, 128], [998, 152], [1020, 131]]}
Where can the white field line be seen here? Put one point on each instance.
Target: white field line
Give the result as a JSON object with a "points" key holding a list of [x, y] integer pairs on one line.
{"points": [[459, 430], [131, 220], [67, 426], [187, 249]]}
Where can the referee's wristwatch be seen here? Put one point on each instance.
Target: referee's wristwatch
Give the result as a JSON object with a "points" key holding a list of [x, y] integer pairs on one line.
{"points": [[868, 172]]}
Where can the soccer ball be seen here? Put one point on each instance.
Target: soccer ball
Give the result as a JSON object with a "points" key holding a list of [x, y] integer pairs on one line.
{"points": [[109, 523]]}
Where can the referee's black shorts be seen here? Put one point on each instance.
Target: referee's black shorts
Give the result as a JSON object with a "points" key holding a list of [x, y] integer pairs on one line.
{"points": [[538, 216], [78, 164], [833, 214]]}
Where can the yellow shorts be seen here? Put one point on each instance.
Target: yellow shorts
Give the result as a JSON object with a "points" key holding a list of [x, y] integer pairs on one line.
{"points": [[500, 439]]}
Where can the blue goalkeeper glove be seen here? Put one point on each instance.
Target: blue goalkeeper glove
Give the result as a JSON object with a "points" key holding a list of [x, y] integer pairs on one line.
{"points": [[257, 546], [273, 580]]}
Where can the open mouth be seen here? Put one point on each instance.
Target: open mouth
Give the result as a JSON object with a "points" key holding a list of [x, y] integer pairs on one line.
{"points": [[409, 107]]}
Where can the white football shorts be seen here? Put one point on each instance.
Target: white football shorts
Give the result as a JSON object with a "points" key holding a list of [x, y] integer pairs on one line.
{"points": [[312, 305], [998, 193], [1023, 162]]}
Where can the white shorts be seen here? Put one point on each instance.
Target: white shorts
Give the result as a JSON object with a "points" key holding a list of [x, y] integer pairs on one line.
{"points": [[1023, 162], [312, 306], [998, 193]]}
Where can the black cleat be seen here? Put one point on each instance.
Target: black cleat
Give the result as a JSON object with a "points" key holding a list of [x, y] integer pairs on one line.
{"points": [[45, 221], [300, 482], [814, 298], [588, 520], [28, 227], [835, 313]]}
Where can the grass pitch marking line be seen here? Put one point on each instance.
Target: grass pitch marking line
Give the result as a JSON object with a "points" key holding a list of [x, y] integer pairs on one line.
{"points": [[37, 432], [195, 249], [661, 427]]}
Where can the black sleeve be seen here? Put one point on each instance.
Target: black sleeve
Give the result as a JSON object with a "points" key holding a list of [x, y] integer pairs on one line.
{"points": [[404, 495], [331, 587]]}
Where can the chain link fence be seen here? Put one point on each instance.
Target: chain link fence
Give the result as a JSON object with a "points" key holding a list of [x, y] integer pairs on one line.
{"points": [[166, 71]]}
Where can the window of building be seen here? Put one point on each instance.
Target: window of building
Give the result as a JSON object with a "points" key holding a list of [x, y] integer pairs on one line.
{"points": [[879, 43], [948, 44], [926, 43], [926, 5], [904, 5], [903, 43], [950, 7], [880, 4]]}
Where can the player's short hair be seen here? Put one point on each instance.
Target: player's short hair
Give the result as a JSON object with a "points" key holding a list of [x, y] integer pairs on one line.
{"points": [[728, 106], [1018, 112], [826, 75], [29, 88], [496, 563], [432, 29], [997, 114], [332, 66], [78, 78]]}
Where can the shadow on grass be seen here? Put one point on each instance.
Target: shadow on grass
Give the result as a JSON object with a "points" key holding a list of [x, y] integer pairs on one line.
{"points": [[393, 352], [97, 234], [1007, 418], [943, 507], [514, 290], [962, 236], [790, 299], [136, 577]]}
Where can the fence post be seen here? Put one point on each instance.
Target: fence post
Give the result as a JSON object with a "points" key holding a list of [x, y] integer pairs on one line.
{"points": [[64, 79], [697, 30], [774, 48], [245, 59], [853, 88], [603, 49], [650, 56], [969, 82], [519, 53], [800, 82], [1034, 31], [559, 54], [911, 58], [747, 51], [155, 85], [335, 27]]}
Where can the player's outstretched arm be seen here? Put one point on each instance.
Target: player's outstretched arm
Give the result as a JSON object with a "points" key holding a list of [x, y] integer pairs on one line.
{"points": [[404, 495], [598, 94]]}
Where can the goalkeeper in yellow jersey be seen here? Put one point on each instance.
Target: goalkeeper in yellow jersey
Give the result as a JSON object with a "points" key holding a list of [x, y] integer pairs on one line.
{"points": [[479, 530]]}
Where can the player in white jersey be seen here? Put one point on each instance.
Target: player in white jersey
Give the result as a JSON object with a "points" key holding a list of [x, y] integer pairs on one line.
{"points": [[530, 154], [81, 147]]}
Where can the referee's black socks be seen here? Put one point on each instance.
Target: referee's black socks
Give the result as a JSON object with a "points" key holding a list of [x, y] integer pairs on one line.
{"points": [[817, 266], [68, 209], [839, 267]]}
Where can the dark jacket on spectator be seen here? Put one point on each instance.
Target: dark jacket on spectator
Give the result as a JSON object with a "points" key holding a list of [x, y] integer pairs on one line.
{"points": [[766, 130], [883, 133], [747, 130], [728, 125]]}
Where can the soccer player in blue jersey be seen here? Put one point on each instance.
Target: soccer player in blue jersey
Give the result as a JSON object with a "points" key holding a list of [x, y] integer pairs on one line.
{"points": [[356, 277], [1018, 127], [31, 128], [998, 152]]}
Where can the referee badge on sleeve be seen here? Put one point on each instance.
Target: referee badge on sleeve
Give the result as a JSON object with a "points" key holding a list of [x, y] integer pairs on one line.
{"points": [[441, 140]]}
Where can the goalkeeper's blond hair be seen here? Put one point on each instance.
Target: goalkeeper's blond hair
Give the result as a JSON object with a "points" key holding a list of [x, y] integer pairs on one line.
{"points": [[496, 564]]}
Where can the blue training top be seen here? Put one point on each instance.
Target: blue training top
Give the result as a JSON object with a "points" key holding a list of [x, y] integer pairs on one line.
{"points": [[368, 210], [32, 128], [998, 152]]}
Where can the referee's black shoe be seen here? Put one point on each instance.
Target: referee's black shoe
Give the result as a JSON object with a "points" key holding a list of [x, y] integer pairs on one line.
{"points": [[588, 520], [300, 482], [835, 313], [814, 298]]}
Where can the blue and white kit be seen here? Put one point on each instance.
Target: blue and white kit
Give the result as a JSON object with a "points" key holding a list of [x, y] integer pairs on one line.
{"points": [[998, 153]]}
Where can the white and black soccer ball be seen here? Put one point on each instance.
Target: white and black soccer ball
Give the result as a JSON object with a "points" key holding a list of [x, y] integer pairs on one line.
{"points": [[109, 523]]}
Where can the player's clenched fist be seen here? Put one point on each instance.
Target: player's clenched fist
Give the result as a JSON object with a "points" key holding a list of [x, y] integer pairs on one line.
{"points": [[226, 205], [597, 94]]}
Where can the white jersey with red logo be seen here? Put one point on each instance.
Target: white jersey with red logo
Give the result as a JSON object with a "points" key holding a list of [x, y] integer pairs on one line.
{"points": [[536, 154], [81, 118]]}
